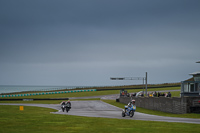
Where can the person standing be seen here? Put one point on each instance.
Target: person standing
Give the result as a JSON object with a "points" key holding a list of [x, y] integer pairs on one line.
{"points": [[169, 94]]}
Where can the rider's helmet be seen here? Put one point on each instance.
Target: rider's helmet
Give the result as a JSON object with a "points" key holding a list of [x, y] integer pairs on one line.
{"points": [[133, 101], [68, 101]]}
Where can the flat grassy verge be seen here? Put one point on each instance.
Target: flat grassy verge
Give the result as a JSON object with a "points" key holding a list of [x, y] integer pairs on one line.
{"points": [[176, 93], [48, 101], [36, 119], [153, 112], [93, 93]]}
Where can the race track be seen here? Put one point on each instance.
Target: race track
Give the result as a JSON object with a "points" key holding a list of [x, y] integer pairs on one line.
{"points": [[98, 108]]}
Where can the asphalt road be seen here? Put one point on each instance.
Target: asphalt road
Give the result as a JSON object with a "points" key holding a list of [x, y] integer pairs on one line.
{"points": [[98, 108]]}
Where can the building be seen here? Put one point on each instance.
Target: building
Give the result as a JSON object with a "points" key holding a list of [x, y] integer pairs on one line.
{"points": [[191, 87]]}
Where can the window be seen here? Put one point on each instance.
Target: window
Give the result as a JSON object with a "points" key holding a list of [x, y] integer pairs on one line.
{"points": [[191, 87], [186, 87]]}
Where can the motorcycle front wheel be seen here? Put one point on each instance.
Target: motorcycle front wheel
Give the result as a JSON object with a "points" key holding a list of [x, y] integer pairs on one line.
{"points": [[131, 113]]}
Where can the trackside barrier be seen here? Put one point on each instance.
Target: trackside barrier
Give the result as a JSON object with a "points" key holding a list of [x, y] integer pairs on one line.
{"points": [[46, 93]]}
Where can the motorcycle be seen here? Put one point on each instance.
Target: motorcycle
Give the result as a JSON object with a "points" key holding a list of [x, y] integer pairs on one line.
{"points": [[68, 107], [63, 107], [129, 111]]}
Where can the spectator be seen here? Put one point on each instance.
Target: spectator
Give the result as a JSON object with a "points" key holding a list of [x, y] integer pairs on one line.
{"points": [[155, 94], [169, 94], [158, 94]]}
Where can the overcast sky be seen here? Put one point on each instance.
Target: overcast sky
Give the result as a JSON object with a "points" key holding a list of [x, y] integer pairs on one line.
{"points": [[85, 42]]}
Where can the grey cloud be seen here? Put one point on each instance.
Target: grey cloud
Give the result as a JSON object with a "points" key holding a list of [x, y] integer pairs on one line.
{"points": [[91, 40]]}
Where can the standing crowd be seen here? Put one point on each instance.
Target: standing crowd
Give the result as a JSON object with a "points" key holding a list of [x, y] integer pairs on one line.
{"points": [[155, 94]]}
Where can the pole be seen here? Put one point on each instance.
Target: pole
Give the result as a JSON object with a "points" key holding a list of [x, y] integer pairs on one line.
{"points": [[143, 86], [146, 84]]}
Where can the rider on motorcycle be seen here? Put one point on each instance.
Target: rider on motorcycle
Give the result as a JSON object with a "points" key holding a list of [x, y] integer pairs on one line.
{"points": [[62, 103], [68, 103], [133, 102], [130, 104]]}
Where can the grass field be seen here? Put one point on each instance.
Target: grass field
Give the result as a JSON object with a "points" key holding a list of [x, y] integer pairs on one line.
{"points": [[95, 93], [36, 119]]}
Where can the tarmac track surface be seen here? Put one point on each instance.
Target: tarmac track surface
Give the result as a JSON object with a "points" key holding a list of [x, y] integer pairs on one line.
{"points": [[98, 108]]}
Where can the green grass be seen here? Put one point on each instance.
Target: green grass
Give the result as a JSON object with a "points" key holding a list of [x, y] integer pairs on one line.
{"points": [[36, 119], [47, 101], [36, 101], [94, 93], [176, 93], [153, 112]]}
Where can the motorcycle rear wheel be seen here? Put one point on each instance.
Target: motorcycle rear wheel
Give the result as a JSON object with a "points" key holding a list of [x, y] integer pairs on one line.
{"points": [[123, 114]]}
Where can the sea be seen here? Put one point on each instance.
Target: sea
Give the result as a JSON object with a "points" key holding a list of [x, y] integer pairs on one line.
{"points": [[23, 88]]}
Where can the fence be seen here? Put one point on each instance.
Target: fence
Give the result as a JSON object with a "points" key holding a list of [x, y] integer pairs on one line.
{"points": [[174, 105], [46, 93]]}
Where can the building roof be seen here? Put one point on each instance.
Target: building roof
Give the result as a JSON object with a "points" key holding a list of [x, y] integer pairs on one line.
{"points": [[190, 79], [195, 73]]}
